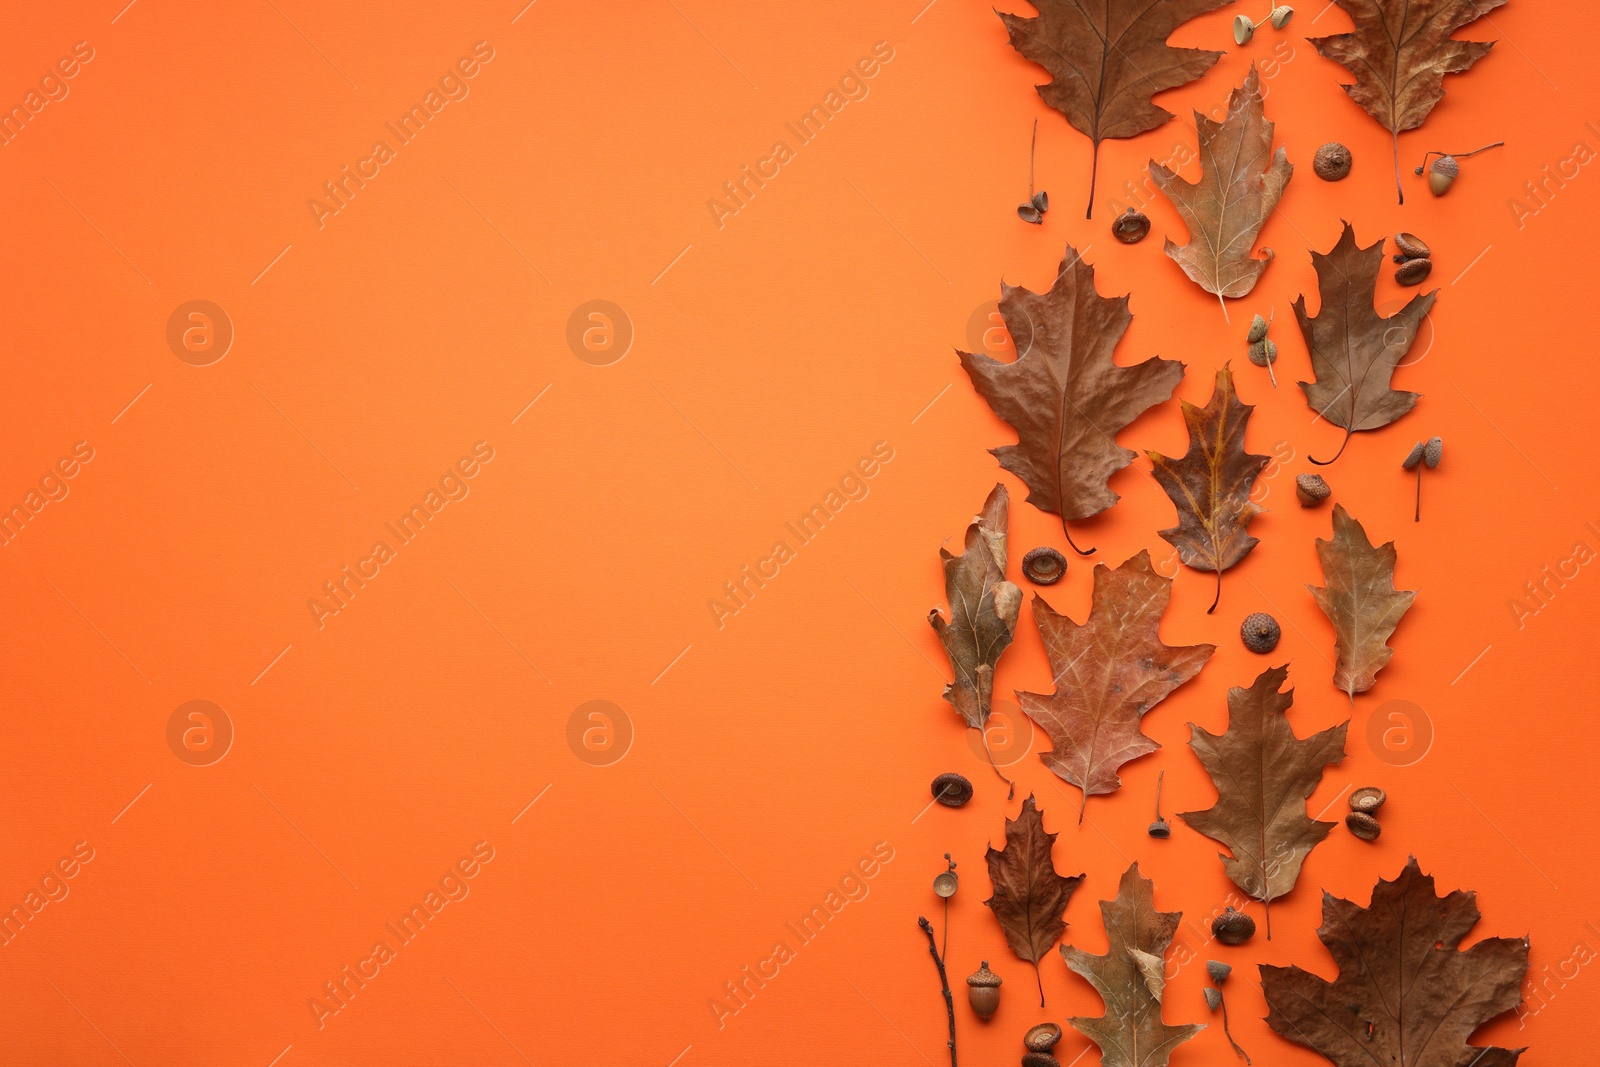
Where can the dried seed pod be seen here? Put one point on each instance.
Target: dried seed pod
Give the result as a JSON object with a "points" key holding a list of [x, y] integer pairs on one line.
{"points": [[1332, 162], [1369, 798], [1258, 329], [1410, 247], [1442, 174], [952, 790], [983, 991], [1264, 353], [1130, 227], [1029, 213], [1260, 632], [1280, 16], [1243, 29], [1218, 971], [1363, 825], [1213, 998], [1041, 1038], [1433, 451], [1044, 566], [1413, 271], [1414, 456], [1039, 1059], [1233, 927], [1311, 489]]}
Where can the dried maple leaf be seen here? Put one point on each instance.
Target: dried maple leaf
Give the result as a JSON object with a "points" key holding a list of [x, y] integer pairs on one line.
{"points": [[1354, 350], [983, 613], [1129, 978], [1400, 51], [1108, 672], [1063, 395], [1241, 178], [1029, 896], [1107, 60], [1264, 774], [1360, 600], [1406, 994], [1210, 484]]}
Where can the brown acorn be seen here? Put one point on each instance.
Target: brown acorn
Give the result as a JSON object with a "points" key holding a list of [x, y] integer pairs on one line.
{"points": [[1363, 825], [1311, 489], [983, 991], [1332, 162], [1260, 632], [1130, 227], [1233, 927], [1041, 1038], [1442, 174], [1369, 798]]}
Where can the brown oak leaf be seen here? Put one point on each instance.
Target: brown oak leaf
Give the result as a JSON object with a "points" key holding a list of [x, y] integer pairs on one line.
{"points": [[1360, 600], [1399, 52], [1264, 775], [1108, 673], [1107, 60], [983, 613], [1210, 484], [1129, 978], [1063, 394], [1029, 896], [1406, 993], [1241, 179], [1354, 350]]}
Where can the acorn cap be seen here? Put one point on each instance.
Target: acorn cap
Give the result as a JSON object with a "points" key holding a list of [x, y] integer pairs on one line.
{"points": [[1280, 16], [1213, 998], [1369, 798], [1041, 1038], [1414, 456], [1433, 451], [1243, 29], [1446, 165], [1413, 271], [1264, 352], [983, 976], [1411, 246], [1332, 161], [1260, 632], [1363, 825], [1160, 829], [945, 884], [952, 790], [1131, 226], [1258, 329], [1218, 971], [1233, 927], [1044, 566], [1039, 1059]]}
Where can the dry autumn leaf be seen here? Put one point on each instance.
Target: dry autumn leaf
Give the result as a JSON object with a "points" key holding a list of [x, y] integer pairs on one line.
{"points": [[1029, 896], [1107, 60], [1210, 484], [1360, 600], [1129, 978], [1399, 52], [1241, 178], [1406, 993], [1354, 350], [1108, 673], [983, 614], [1264, 774], [1063, 394]]}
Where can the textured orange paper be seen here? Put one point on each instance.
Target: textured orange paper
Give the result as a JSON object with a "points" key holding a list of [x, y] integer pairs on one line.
{"points": [[491, 394]]}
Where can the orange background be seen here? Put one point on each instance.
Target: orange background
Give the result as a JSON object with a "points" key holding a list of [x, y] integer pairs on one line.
{"points": [[772, 753]]}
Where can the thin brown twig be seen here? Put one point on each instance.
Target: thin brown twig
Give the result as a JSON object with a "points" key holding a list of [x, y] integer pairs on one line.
{"points": [[944, 982]]}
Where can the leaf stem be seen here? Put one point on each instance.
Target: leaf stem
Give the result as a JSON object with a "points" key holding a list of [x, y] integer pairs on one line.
{"points": [[1336, 455], [944, 982], [1012, 786], [1094, 172], [1040, 980], [1395, 137], [1067, 531], [1218, 598], [1031, 146], [1418, 516]]}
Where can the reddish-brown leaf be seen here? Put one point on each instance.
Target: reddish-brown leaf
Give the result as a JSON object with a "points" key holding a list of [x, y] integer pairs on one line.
{"points": [[1108, 673], [1029, 896], [1063, 394], [1210, 484], [1360, 600], [1406, 992]]}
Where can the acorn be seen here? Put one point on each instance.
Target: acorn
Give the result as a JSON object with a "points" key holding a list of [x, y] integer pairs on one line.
{"points": [[1218, 971], [1130, 227], [1039, 1059], [1312, 489], [1442, 174], [1041, 1038], [952, 790], [1410, 246], [1332, 162], [1044, 566], [1260, 632], [1363, 825], [983, 991], [1413, 271], [1369, 798], [1258, 329], [1233, 927]]}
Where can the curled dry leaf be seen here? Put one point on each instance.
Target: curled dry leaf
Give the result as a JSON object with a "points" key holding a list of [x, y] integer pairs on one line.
{"points": [[983, 612], [1029, 896], [1354, 350], [1108, 672], [1241, 179], [1360, 600], [1107, 60], [1399, 52], [1063, 394], [1264, 774], [1129, 979], [1210, 484], [1406, 992]]}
